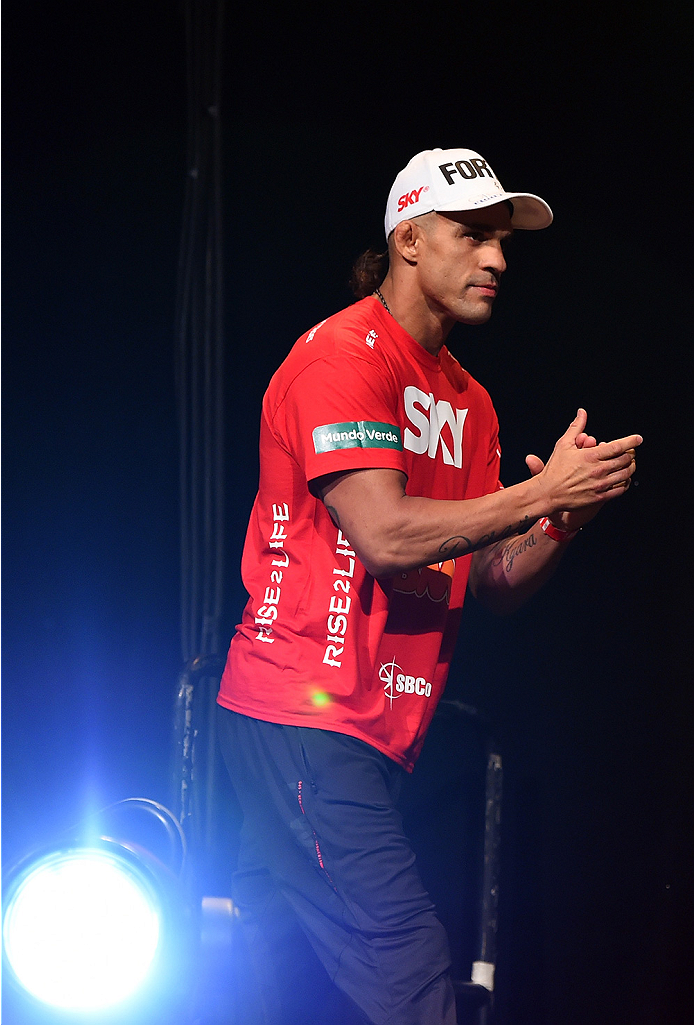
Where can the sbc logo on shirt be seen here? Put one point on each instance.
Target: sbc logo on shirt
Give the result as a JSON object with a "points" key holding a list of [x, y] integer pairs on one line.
{"points": [[396, 682]]}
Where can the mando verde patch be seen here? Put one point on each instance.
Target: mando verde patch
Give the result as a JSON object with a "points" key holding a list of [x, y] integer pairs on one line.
{"points": [[356, 434]]}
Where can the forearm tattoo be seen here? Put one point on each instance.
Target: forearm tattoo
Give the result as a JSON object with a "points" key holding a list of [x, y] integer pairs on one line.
{"points": [[509, 553], [461, 545]]}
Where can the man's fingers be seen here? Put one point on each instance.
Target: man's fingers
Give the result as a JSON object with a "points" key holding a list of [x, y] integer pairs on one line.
{"points": [[623, 459], [611, 449], [534, 464], [577, 425], [620, 476], [615, 490]]}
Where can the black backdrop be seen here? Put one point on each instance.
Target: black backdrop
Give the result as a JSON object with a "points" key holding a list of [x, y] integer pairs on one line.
{"points": [[589, 686]]}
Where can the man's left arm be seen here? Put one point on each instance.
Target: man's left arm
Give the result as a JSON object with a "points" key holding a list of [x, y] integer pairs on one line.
{"points": [[505, 575]]}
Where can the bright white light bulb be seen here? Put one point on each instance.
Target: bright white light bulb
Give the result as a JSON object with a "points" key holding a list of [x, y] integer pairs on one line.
{"points": [[81, 930]]}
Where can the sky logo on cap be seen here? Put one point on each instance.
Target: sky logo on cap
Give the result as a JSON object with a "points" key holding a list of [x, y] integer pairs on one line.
{"points": [[411, 197]]}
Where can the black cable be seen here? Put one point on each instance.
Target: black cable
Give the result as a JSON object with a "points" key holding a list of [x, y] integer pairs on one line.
{"points": [[199, 338]]}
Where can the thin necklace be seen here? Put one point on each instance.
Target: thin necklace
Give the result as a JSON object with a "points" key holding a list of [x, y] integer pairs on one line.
{"points": [[377, 292]]}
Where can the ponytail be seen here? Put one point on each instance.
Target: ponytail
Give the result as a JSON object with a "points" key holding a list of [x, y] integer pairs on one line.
{"points": [[368, 272]]}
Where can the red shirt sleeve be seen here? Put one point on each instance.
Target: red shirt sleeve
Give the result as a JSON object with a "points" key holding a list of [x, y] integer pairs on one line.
{"points": [[339, 412], [493, 482]]}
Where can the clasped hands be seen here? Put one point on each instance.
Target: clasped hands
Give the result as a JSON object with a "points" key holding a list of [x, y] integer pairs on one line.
{"points": [[582, 475]]}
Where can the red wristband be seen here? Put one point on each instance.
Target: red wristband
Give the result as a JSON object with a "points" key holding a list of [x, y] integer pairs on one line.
{"points": [[556, 533]]}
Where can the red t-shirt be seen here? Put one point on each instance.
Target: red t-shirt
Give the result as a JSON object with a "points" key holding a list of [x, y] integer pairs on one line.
{"points": [[322, 643]]}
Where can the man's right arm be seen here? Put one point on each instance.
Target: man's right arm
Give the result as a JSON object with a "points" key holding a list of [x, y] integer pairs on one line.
{"points": [[394, 532]]}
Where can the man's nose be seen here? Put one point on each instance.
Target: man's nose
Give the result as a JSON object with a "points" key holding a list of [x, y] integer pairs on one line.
{"points": [[494, 259]]}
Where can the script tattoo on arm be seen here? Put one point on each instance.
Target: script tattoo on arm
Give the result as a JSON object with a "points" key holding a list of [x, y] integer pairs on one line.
{"points": [[456, 546], [461, 545], [507, 554]]}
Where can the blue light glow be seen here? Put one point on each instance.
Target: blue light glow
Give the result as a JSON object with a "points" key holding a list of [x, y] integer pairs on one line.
{"points": [[81, 930]]}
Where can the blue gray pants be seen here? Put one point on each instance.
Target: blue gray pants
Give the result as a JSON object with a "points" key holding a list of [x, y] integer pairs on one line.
{"points": [[321, 834]]}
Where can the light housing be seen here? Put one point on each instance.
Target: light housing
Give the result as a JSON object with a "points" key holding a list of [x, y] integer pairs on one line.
{"points": [[97, 931]]}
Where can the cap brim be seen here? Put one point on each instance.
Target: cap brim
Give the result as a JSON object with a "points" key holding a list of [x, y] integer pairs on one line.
{"points": [[529, 212]]}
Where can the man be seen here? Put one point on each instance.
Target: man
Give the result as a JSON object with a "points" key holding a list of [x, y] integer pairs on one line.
{"points": [[379, 503]]}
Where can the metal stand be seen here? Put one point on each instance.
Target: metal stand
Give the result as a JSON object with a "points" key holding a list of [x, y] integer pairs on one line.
{"points": [[452, 811], [480, 990], [201, 799]]}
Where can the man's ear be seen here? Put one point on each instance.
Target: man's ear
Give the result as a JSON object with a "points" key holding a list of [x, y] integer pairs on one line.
{"points": [[405, 240]]}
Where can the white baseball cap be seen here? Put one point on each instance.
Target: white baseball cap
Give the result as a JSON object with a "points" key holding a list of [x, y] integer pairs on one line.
{"points": [[457, 179]]}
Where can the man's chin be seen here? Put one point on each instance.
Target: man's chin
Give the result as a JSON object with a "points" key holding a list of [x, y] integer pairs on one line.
{"points": [[477, 315]]}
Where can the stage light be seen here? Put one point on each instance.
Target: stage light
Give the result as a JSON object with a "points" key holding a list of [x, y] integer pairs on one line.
{"points": [[99, 927], [81, 929]]}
